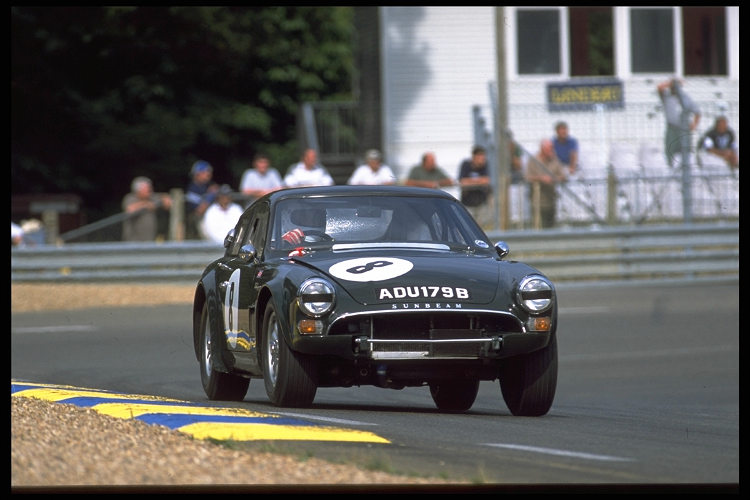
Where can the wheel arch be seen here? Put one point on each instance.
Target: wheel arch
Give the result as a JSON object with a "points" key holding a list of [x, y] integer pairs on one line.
{"points": [[261, 304], [199, 299]]}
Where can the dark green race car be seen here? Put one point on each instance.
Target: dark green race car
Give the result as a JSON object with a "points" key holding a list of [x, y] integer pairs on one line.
{"points": [[373, 285]]}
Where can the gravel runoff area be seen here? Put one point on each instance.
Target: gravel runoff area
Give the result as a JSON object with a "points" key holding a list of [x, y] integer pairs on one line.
{"points": [[63, 447]]}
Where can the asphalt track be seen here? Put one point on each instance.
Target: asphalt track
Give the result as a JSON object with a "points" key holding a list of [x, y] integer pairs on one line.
{"points": [[648, 393]]}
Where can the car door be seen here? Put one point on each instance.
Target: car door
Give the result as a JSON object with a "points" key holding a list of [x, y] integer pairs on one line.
{"points": [[237, 288]]}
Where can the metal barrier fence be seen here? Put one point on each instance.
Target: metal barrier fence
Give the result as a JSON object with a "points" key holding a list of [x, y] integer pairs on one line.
{"points": [[683, 253]]}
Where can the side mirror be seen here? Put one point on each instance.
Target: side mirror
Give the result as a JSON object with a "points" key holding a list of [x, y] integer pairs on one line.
{"points": [[247, 252], [502, 249], [229, 238]]}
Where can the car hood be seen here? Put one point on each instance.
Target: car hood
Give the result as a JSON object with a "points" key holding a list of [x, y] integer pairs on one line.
{"points": [[381, 277]]}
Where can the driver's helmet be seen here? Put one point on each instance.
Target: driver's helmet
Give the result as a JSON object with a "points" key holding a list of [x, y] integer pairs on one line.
{"points": [[306, 219]]}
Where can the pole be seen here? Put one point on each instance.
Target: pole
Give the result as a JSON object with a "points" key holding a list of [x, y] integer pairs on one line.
{"points": [[501, 125]]}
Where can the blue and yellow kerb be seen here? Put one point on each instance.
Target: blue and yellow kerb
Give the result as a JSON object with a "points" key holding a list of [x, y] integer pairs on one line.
{"points": [[202, 422]]}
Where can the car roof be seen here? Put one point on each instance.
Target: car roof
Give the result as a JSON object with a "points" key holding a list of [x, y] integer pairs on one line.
{"points": [[345, 190]]}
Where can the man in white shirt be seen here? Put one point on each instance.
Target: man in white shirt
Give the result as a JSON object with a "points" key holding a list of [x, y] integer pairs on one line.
{"points": [[221, 216], [308, 172], [373, 172], [260, 179]]}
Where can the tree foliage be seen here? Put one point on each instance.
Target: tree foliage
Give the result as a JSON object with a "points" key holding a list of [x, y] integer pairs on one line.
{"points": [[100, 95]]}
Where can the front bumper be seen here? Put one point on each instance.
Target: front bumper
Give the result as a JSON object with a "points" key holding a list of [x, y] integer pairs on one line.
{"points": [[357, 347]]}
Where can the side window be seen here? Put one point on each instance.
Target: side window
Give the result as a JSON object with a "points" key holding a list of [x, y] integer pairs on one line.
{"points": [[256, 230]]}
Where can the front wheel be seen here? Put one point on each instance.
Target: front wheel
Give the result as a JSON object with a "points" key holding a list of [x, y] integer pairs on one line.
{"points": [[290, 378], [454, 395], [217, 385], [528, 382]]}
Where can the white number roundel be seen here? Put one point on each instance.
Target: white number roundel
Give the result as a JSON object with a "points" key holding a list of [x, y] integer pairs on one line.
{"points": [[370, 269], [231, 308]]}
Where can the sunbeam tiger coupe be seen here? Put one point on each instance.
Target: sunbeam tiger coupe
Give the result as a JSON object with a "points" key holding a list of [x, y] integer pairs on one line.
{"points": [[389, 286]]}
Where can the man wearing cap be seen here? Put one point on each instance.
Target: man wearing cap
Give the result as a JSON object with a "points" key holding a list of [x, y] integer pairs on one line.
{"points": [[373, 172], [221, 216], [199, 195]]}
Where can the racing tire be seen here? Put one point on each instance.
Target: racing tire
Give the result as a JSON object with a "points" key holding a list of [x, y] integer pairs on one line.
{"points": [[454, 396], [290, 377], [218, 385], [528, 382]]}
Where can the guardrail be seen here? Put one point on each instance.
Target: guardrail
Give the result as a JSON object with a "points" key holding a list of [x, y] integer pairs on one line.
{"points": [[683, 253], [678, 253]]}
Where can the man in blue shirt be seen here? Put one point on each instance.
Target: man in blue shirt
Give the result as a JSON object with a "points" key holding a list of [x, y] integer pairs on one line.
{"points": [[199, 195], [566, 147]]}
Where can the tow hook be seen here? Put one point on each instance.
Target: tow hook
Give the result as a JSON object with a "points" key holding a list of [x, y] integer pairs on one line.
{"points": [[361, 346], [497, 343]]}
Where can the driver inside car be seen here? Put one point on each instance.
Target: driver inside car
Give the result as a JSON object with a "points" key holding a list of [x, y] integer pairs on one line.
{"points": [[313, 220]]}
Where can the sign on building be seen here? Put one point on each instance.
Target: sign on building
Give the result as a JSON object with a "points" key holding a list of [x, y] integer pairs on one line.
{"points": [[584, 95]]}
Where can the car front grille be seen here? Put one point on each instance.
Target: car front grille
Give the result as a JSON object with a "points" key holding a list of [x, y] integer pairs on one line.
{"points": [[454, 335]]}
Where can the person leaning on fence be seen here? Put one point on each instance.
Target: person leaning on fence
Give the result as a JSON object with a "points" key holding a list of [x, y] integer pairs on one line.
{"points": [[566, 147], [16, 235], [308, 172], [261, 179], [141, 205], [682, 116], [372, 172], [720, 141], [543, 173], [199, 195], [428, 174], [476, 187]]}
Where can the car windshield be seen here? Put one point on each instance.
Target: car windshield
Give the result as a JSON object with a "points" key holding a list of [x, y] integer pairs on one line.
{"points": [[340, 220]]}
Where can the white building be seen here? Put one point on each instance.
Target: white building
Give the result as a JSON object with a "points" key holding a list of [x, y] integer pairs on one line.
{"points": [[438, 62]]}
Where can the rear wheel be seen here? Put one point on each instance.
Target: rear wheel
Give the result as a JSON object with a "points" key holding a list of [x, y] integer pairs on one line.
{"points": [[454, 395], [217, 385], [528, 382], [290, 377]]}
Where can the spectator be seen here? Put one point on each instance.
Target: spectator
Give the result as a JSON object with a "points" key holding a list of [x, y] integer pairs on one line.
{"points": [[373, 171], [261, 179], [566, 147], [308, 172], [16, 235], [428, 174], [682, 116], [720, 141], [221, 216], [545, 171], [141, 204], [474, 179], [516, 163], [199, 195]]}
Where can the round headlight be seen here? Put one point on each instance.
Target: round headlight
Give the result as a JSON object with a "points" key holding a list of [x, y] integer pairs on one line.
{"points": [[535, 294], [316, 296]]}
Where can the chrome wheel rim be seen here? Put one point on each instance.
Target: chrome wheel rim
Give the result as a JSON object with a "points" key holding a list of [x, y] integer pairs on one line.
{"points": [[273, 349], [207, 349]]}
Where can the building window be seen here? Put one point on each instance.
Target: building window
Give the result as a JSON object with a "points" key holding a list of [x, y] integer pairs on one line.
{"points": [[652, 40], [591, 41], [538, 41], [704, 40], [590, 50]]}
